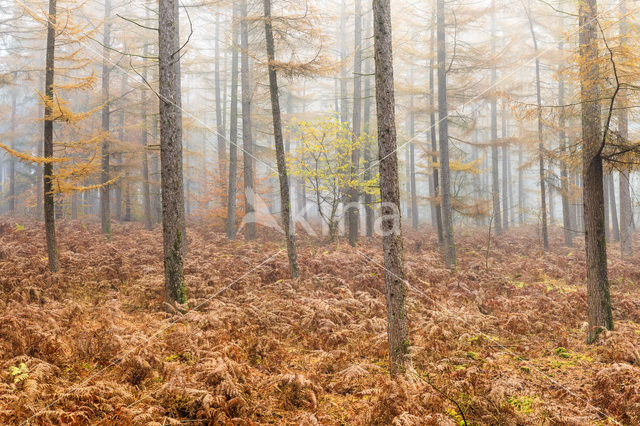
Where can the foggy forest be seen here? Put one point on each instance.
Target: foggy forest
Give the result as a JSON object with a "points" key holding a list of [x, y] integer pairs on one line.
{"points": [[319, 212]]}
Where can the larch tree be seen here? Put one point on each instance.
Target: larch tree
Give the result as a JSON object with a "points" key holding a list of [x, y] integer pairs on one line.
{"points": [[599, 313], [233, 132], [105, 202], [173, 221], [443, 134], [247, 139], [49, 207], [396, 289], [354, 211], [285, 201]]}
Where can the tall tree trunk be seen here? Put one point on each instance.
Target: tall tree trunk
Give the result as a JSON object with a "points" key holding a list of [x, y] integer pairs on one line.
{"points": [[155, 170], [443, 115], [233, 133], [615, 229], [49, 213], [173, 222], [567, 223], [505, 171], [368, 198], [495, 177], [222, 150], [39, 169], [398, 329], [520, 187], [105, 202], [436, 210], [412, 169], [117, 156], [12, 159], [626, 216], [354, 211], [146, 192], [599, 300], [247, 141], [543, 195], [285, 200], [125, 185]]}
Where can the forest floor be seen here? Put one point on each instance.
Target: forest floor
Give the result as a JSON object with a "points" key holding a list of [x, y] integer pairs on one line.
{"points": [[497, 342]]}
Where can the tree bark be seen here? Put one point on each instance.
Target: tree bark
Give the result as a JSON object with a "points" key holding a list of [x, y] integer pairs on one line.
{"points": [[285, 200], [247, 141], [233, 134], [173, 222], [443, 115], [398, 329], [105, 202], [599, 300], [49, 213], [354, 211], [505, 171]]}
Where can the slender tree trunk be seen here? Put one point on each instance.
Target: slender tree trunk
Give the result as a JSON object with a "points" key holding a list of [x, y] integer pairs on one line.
{"points": [[146, 192], [39, 169], [564, 180], [543, 195], [412, 169], [495, 177], [105, 202], [398, 329], [49, 213], [12, 159], [599, 300], [117, 156], [520, 187], [607, 220], [354, 211], [368, 198], [436, 210], [285, 200], [222, 150], [155, 170], [173, 222], [233, 133], [614, 210], [247, 141], [505, 171], [445, 184], [626, 214]]}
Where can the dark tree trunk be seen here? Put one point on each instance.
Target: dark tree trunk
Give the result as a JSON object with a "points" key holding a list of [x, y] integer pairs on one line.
{"points": [[173, 223], [599, 300], [354, 211], [398, 330], [247, 141], [443, 115], [412, 168], [105, 202], [285, 200], [49, 213], [233, 133], [543, 195]]}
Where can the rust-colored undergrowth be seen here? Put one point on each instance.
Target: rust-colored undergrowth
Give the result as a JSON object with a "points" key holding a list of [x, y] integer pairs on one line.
{"points": [[504, 345]]}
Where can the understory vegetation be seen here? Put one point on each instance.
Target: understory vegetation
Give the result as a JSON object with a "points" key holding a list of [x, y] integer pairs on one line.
{"points": [[500, 341]]}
